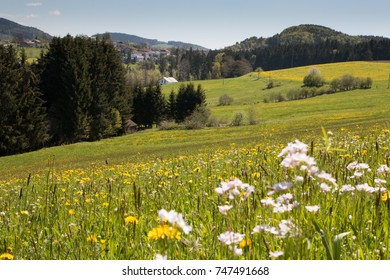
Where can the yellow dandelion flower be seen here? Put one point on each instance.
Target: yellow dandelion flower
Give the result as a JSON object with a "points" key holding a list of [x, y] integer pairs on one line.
{"points": [[92, 239], [24, 212], [386, 196], [67, 203], [72, 211], [6, 256], [102, 241], [87, 200], [131, 220], [105, 204], [163, 232], [197, 169], [245, 243]]}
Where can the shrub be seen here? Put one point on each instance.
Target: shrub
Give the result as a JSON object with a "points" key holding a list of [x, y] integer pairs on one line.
{"points": [[313, 79], [198, 119], [225, 100], [238, 119]]}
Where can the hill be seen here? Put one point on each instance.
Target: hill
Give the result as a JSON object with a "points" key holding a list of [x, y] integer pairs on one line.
{"points": [[153, 43], [10, 31], [354, 110], [302, 34]]}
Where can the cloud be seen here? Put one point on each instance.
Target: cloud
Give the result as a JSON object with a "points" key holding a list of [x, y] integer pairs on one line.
{"points": [[35, 4], [30, 16], [55, 13]]}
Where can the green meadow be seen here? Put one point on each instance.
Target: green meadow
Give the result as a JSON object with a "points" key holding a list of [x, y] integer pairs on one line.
{"points": [[234, 192]]}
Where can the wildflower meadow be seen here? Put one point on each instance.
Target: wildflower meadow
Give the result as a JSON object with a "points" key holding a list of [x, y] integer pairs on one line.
{"points": [[326, 198]]}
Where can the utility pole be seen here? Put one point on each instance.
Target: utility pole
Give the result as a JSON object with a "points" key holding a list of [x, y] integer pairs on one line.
{"points": [[388, 83]]}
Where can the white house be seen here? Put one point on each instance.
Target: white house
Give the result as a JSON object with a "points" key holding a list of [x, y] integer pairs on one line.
{"points": [[166, 81]]}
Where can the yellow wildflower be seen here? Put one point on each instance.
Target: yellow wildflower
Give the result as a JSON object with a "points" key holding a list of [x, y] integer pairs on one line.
{"points": [[164, 231], [131, 220], [25, 212], [106, 204], [6, 256], [386, 196], [92, 239], [245, 243], [72, 211]]}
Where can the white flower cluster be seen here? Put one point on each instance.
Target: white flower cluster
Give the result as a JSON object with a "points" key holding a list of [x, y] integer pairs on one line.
{"points": [[295, 155], [235, 188], [286, 229], [232, 239], [175, 219], [359, 169], [282, 204]]}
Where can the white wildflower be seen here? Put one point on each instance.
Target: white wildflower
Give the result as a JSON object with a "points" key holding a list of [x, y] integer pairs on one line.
{"points": [[230, 237], [279, 187], [224, 209], [237, 251], [347, 188], [383, 169], [380, 182], [276, 254], [312, 209], [174, 219], [160, 257], [325, 188]]}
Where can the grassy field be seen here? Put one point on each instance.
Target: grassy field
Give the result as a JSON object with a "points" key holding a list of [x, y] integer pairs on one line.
{"points": [[241, 194]]}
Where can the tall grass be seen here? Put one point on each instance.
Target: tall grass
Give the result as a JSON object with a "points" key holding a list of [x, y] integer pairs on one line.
{"points": [[109, 211]]}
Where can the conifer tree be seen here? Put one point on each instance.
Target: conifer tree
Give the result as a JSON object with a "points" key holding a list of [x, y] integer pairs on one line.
{"points": [[22, 124]]}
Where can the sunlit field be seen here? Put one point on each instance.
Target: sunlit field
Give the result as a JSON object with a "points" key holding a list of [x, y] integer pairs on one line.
{"points": [[308, 182], [326, 199]]}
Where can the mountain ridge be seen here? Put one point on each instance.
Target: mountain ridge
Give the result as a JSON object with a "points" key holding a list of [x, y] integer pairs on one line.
{"points": [[10, 30]]}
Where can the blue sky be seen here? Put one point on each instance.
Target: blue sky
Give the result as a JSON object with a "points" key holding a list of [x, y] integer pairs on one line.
{"points": [[210, 23]]}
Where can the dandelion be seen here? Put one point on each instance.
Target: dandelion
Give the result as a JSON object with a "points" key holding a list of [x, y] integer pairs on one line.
{"points": [[72, 211], [245, 243], [105, 204], [312, 209], [224, 209], [131, 220], [24, 212], [92, 239], [164, 232], [6, 256], [276, 254], [386, 196]]}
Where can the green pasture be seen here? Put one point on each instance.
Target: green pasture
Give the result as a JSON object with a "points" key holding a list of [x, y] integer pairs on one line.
{"points": [[357, 110]]}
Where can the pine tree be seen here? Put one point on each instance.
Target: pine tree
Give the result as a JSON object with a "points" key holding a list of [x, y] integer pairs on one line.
{"points": [[22, 123]]}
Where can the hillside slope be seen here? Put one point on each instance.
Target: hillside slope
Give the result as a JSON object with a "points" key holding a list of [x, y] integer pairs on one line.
{"points": [[357, 110], [10, 30]]}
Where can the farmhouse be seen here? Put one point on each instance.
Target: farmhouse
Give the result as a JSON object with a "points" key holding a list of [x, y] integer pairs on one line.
{"points": [[166, 81]]}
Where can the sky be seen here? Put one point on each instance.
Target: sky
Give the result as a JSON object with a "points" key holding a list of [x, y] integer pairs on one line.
{"points": [[210, 23]]}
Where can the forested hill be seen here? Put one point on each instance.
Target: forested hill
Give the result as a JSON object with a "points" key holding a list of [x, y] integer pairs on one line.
{"points": [[122, 37], [302, 34], [10, 30], [309, 44]]}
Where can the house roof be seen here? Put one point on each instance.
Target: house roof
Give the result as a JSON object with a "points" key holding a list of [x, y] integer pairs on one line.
{"points": [[170, 79]]}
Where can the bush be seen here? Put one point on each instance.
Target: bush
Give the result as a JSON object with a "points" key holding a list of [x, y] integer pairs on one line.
{"points": [[253, 116], [238, 119], [313, 79], [198, 119], [225, 100]]}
